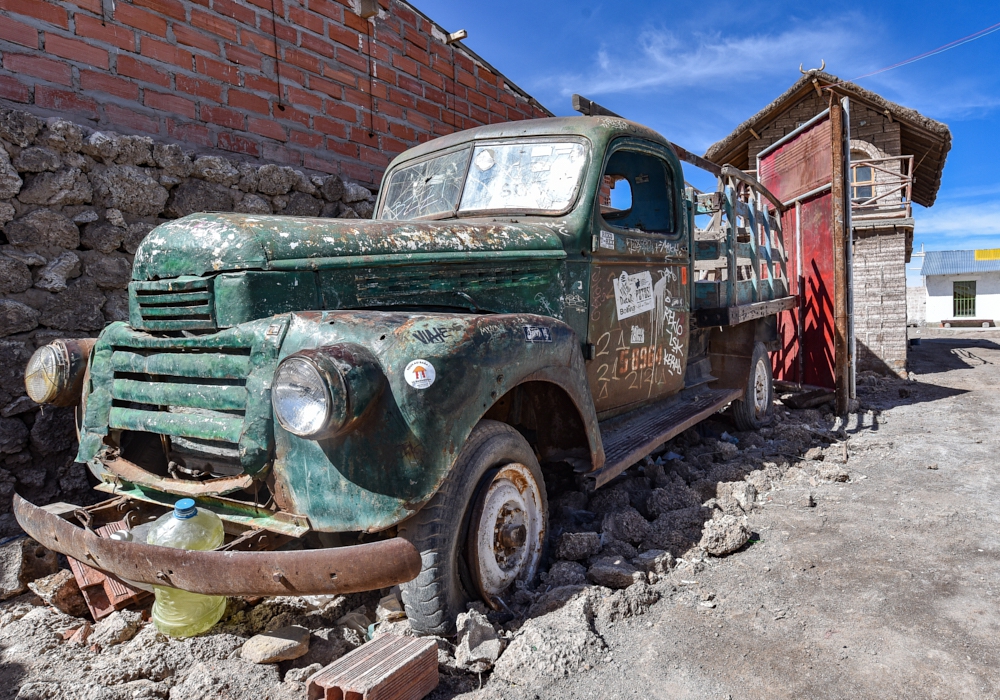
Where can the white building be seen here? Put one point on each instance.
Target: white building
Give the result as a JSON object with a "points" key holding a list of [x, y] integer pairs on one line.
{"points": [[963, 287]]}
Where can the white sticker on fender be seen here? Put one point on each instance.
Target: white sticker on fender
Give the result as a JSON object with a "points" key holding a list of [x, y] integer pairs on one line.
{"points": [[633, 294], [607, 240], [419, 374]]}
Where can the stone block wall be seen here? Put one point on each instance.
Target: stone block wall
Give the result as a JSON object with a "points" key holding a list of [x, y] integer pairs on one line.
{"points": [[916, 305], [880, 300], [74, 205], [306, 83]]}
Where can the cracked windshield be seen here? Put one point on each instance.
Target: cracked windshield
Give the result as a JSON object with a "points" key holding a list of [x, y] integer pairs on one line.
{"points": [[533, 176]]}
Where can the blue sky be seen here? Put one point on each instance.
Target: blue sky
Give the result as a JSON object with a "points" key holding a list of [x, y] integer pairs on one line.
{"points": [[693, 71]]}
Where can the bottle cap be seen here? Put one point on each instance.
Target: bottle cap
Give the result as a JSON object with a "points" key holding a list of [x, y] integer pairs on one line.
{"points": [[185, 509]]}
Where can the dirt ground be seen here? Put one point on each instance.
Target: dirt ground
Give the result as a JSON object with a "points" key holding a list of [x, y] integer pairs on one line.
{"points": [[887, 588], [873, 577]]}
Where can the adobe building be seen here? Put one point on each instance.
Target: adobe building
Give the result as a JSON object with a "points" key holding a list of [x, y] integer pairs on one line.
{"points": [[897, 158]]}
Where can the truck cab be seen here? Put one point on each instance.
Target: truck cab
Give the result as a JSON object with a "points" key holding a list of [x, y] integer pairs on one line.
{"points": [[390, 393]]}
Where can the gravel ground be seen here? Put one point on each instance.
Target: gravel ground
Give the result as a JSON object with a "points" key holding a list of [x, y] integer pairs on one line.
{"points": [[813, 559]]}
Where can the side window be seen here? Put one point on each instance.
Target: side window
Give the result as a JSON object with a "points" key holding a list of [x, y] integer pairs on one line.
{"points": [[637, 193]]}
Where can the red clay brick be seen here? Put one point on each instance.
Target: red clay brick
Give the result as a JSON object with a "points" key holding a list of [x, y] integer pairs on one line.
{"points": [[407, 65], [107, 83], [305, 20], [128, 66], [244, 100], [222, 116], [171, 104], [410, 85], [260, 84], [263, 44], [302, 60], [393, 146], [39, 9], [241, 56], [44, 68], [196, 38], [344, 112], [330, 127], [316, 44], [327, 9], [478, 100], [167, 53], [92, 5], [214, 24], [18, 33], [289, 113], [343, 36], [65, 101], [402, 131], [76, 50], [93, 28], [326, 87], [242, 14], [418, 120], [356, 22], [217, 70], [199, 88], [129, 117], [375, 156], [238, 143], [358, 172], [267, 127], [189, 133], [418, 54], [140, 19], [304, 99], [170, 8], [320, 163], [285, 33], [390, 110], [13, 89], [275, 152], [344, 148], [341, 76], [355, 60], [402, 98]]}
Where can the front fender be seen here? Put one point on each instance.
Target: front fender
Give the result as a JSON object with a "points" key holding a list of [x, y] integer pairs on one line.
{"points": [[397, 455]]}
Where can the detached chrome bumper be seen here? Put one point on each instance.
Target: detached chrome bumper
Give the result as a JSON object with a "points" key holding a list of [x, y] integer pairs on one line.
{"points": [[352, 569]]}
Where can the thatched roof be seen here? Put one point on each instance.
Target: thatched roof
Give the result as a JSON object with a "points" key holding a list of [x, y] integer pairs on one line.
{"points": [[926, 139]]}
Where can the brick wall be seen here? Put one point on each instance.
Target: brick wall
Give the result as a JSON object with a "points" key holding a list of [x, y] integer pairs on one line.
{"points": [[880, 300], [286, 81]]}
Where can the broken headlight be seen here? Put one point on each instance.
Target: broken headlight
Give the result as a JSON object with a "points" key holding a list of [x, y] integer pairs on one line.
{"points": [[54, 374], [318, 393]]}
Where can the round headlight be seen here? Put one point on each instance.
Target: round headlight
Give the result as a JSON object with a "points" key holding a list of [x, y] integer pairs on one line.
{"points": [[301, 397], [45, 375]]}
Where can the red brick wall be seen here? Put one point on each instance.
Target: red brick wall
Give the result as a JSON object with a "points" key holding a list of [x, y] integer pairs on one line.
{"points": [[209, 74]]}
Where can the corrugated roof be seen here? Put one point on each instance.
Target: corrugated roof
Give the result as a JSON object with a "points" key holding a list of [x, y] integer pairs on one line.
{"points": [[956, 262]]}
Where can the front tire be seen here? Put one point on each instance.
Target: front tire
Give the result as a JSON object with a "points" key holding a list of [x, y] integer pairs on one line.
{"points": [[756, 408], [481, 532]]}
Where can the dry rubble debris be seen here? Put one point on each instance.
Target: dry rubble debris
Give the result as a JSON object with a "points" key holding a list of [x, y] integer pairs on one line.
{"points": [[61, 591], [22, 560], [277, 645]]}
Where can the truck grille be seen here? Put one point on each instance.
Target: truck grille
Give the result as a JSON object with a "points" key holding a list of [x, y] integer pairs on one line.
{"points": [[184, 303], [393, 285]]}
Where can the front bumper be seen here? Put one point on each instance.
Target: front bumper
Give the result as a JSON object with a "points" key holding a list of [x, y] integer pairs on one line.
{"points": [[335, 570]]}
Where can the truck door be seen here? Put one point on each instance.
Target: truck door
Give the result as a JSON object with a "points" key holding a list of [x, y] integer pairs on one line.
{"points": [[639, 304]]}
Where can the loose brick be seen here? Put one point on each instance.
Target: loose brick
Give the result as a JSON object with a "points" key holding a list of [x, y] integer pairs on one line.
{"points": [[128, 66], [18, 33], [44, 11], [140, 19], [171, 104], [65, 101], [238, 144], [76, 50], [93, 28], [110, 84], [39, 67]]}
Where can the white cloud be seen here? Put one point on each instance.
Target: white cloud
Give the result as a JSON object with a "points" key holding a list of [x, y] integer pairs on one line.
{"points": [[959, 222], [664, 59]]}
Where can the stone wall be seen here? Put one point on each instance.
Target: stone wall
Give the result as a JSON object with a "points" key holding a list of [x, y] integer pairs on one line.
{"points": [[74, 205], [880, 301], [916, 306]]}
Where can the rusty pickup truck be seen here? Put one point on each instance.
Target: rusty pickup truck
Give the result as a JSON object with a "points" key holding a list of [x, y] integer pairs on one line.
{"points": [[371, 403]]}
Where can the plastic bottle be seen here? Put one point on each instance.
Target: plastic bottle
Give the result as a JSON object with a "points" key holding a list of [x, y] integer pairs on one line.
{"points": [[175, 612]]}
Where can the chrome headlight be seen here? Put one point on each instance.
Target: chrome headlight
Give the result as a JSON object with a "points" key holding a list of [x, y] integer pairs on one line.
{"points": [[317, 393], [54, 374]]}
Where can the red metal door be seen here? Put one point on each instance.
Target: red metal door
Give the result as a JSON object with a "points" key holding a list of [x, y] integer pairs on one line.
{"points": [[798, 169]]}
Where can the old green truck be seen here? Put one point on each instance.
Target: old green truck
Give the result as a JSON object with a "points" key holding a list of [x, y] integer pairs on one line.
{"points": [[371, 403]]}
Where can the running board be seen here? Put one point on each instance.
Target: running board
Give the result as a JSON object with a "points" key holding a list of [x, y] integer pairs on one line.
{"points": [[630, 437]]}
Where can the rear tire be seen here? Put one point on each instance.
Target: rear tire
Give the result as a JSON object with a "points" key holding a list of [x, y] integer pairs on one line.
{"points": [[495, 473], [756, 408]]}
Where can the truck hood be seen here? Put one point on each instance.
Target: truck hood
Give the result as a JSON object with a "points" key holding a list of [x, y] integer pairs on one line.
{"points": [[202, 244]]}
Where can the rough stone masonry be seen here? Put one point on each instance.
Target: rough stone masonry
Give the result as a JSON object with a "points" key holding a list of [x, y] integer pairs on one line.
{"points": [[74, 205]]}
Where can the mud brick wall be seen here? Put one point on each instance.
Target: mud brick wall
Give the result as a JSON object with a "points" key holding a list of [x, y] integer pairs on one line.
{"points": [[305, 83], [74, 205], [880, 301]]}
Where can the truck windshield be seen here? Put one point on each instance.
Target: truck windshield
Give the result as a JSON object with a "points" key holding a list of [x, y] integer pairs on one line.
{"points": [[539, 177]]}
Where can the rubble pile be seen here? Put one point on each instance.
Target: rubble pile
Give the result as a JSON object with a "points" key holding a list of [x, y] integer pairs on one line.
{"points": [[74, 205], [614, 553]]}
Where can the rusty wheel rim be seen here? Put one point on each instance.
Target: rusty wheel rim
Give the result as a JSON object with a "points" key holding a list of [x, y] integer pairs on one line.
{"points": [[760, 388], [506, 532]]}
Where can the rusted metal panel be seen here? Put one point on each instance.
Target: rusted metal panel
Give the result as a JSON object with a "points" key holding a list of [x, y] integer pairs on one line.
{"points": [[387, 668], [800, 165], [351, 569]]}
